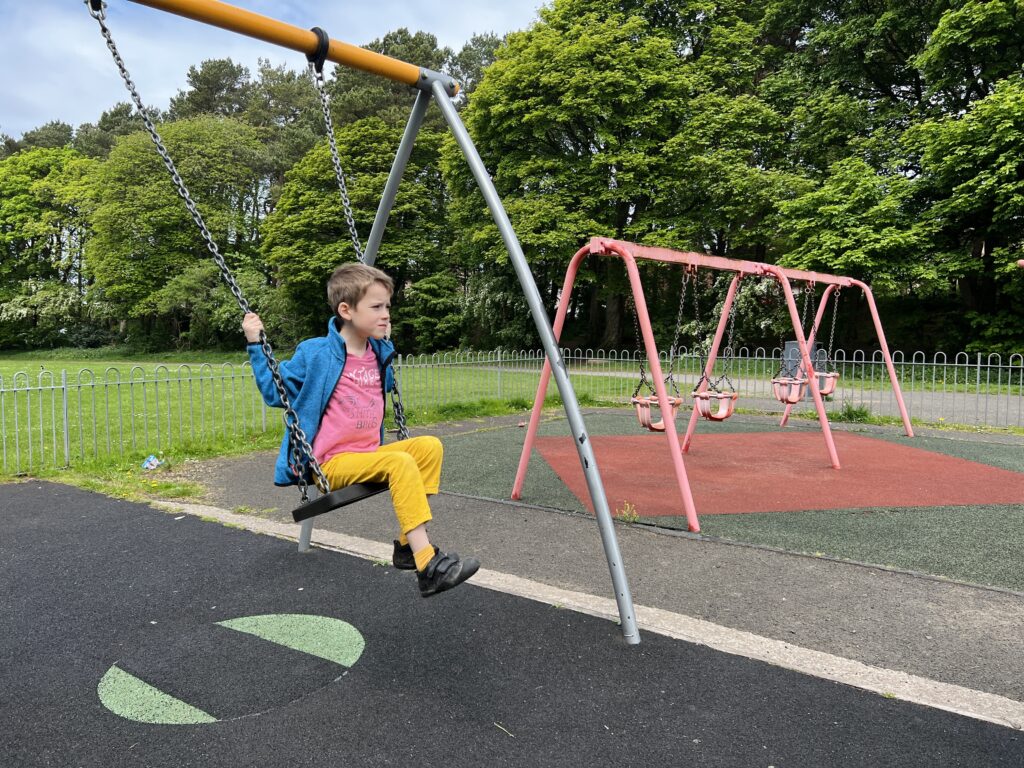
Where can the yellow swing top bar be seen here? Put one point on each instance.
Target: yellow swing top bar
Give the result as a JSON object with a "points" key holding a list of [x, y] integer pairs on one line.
{"points": [[269, 30]]}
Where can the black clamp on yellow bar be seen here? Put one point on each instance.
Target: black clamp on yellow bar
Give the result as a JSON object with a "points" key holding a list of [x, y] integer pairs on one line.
{"points": [[323, 44]]}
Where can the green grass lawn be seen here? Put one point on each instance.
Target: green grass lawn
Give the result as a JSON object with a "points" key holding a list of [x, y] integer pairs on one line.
{"points": [[116, 406], [117, 411], [110, 409]]}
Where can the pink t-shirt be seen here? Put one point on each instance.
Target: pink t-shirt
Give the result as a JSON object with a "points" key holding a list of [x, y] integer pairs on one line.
{"points": [[351, 422]]}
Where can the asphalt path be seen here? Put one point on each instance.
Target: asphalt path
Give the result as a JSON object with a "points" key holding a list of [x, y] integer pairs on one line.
{"points": [[90, 587]]}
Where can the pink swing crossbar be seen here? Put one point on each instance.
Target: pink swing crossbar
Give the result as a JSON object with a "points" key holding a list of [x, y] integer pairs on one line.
{"points": [[629, 253], [643, 411]]}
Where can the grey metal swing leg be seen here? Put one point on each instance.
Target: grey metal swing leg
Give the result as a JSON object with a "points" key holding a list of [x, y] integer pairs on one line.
{"points": [[305, 534], [623, 596], [387, 200]]}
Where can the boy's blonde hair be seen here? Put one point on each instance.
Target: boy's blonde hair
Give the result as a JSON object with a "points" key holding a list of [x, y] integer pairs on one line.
{"points": [[350, 282]]}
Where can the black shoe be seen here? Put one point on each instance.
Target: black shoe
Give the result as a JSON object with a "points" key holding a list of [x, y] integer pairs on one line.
{"points": [[403, 559], [444, 572]]}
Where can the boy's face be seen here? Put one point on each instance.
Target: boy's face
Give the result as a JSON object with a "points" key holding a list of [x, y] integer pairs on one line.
{"points": [[371, 316]]}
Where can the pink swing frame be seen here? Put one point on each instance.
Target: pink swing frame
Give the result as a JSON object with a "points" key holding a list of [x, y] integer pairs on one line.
{"points": [[629, 253], [831, 379]]}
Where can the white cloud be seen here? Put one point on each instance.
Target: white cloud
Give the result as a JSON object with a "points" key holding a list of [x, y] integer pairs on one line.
{"points": [[57, 67]]}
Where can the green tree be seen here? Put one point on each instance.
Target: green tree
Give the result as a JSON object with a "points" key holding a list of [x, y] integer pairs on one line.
{"points": [[975, 44], [143, 234], [357, 95], [284, 109], [568, 119], [52, 135], [216, 87], [97, 139], [43, 229], [972, 184], [201, 314], [8, 146], [468, 65], [858, 223], [306, 236], [432, 312], [639, 122]]}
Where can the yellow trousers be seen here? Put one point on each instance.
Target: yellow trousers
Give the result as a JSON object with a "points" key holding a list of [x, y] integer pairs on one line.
{"points": [[412, 469]]}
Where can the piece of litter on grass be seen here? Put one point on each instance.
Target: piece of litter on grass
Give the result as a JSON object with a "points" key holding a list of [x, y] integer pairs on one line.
{"points": [[152, 462], [505, 730]]}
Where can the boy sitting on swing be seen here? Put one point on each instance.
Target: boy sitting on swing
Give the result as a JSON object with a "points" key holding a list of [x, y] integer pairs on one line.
{"points": [[336, 384]]}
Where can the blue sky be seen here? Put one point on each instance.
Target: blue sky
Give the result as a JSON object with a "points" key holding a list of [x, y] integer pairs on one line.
{"points": [[55, 65]]}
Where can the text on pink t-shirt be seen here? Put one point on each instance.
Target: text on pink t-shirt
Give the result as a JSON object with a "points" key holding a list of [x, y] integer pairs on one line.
{"points": [[351, 422]]}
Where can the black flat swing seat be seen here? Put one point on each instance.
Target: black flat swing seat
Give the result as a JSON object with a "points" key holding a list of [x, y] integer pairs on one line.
{"points": [[342, 497]]}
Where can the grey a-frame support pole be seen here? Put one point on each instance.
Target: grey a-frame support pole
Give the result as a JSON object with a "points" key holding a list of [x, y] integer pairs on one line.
{"points": [[387, 200], [572, 409]]}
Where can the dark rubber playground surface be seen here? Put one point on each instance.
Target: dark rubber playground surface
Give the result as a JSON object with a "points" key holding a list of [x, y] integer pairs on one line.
{"points": [[779, 471], [471, 677]]}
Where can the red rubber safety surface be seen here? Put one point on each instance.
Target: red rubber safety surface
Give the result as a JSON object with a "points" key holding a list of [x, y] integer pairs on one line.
{"points": [[779, 472]]}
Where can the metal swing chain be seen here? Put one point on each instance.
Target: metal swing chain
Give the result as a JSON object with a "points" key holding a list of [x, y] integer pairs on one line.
{"points": [[832, 332], [317, 70], [399, 408], [639, 346], [808, 290], [673, 350], [702, 345], [785, 369], [339, 174], [727, 356], [297, 438]]}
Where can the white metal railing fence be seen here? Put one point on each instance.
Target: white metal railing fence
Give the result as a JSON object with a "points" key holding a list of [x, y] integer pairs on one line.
{"points": [[65, 420], [51, 420]]}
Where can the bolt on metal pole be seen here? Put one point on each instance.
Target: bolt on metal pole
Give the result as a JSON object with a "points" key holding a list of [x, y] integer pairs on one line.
{"points": [[572, 409]]}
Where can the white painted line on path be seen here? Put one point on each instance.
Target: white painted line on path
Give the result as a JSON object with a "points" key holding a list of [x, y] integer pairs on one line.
{"points": [[886, 682]]}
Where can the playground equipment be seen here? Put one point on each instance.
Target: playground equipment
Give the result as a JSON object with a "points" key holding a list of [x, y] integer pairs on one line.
{"points": [[630, 253], [824, 370], [644, 403], [715, 399], [428, 85], [789, 384]]}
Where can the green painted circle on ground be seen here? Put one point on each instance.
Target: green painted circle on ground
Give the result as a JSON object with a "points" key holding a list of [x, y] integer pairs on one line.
{"points": [[333, 640]]}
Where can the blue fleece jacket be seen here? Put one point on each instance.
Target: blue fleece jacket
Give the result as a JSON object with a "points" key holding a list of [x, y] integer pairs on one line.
{"points": [[309, 379]]}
